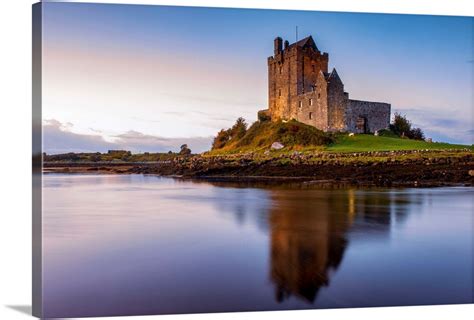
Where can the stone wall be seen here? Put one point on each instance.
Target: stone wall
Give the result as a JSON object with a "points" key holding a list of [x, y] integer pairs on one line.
{"points": [[375, 114], [282, 81], [310, 63], [337, 103], [311, 107]]}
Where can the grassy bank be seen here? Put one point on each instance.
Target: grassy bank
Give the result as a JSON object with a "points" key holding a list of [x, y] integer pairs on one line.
{"points": [[296, 136], [343, 143], [366, 143]]}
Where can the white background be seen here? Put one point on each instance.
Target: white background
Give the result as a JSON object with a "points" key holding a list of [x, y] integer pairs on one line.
{"points": [[15, 155]]}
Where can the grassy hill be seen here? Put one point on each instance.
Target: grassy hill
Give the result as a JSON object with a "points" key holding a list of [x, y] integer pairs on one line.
{"points": [[260, 136], [366, 142], [298, 136]]}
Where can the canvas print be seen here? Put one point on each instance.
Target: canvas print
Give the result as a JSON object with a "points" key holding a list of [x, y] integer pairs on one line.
{"points": [[191, 160]]}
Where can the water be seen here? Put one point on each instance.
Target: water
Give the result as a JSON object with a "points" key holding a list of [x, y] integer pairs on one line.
{"points": [[135, 244]]}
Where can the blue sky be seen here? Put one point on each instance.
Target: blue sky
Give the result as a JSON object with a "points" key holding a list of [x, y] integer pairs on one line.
{"points": [[159, 73]]}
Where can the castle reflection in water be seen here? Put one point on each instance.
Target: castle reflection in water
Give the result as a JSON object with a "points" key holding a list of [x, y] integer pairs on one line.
{"points": [[309, 234], [309, 231]]}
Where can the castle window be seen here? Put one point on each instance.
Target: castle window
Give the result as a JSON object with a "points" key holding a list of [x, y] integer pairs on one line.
{"points": [[310, 115], [279, 92], [319, 95], [280, 69], [310, 102], [300, 104]]}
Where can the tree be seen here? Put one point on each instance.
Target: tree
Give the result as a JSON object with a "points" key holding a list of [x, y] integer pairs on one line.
{"points": [[185, 151], [221, 139], [239, 129], [402, 127], [416, 134]]}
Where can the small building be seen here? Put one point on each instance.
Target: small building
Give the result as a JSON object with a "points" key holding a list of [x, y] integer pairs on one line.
{"points": [[301, 88]]}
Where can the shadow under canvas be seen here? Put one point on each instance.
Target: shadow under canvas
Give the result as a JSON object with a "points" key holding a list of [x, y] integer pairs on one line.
{"points": [[27, 310], [22, 308]]}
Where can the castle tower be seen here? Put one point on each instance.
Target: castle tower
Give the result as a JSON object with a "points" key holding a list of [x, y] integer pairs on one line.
{"points": [[293, 71]]}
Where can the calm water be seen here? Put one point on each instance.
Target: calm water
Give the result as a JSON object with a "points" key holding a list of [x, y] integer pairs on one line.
{"points": [[134, 244]]}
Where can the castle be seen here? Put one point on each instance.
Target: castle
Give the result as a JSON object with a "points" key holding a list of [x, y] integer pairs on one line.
{"points": [[301, 88]]}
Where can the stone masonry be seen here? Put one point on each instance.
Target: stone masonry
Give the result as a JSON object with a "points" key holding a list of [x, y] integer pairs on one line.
{"points": [[301, 88]]}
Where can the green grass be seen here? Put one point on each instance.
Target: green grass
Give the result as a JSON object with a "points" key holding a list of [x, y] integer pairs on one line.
{"points": [[365, 142], [296, 136]]}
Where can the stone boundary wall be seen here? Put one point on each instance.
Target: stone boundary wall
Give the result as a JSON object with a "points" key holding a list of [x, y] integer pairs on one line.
{"points": [[377, 115]]}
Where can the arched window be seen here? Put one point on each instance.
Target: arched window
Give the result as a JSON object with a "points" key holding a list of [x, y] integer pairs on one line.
{"points": [[310, 115]]}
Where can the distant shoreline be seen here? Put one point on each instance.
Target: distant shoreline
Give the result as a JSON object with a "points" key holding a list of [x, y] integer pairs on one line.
{"points": [[385, 169]]}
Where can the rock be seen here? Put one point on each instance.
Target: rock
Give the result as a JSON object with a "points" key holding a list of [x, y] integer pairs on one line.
{"points": [[376, 133], [471, 173], [351, 134], [277, 146]]}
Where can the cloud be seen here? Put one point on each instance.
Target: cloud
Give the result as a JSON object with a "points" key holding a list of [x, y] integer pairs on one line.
{"points": [[95, 130], [139, 142], [445, 125], [58, 138]]}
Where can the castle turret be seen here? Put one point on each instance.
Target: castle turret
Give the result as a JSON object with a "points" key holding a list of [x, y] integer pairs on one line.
{"points": [[278, 43]]}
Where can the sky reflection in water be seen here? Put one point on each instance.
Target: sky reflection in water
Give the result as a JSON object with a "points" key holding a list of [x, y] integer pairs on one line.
{"points": [[134, 244]]}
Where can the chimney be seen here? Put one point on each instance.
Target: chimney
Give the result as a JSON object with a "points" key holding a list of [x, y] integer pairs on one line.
{"points": [[278, 45], [287, 44]]}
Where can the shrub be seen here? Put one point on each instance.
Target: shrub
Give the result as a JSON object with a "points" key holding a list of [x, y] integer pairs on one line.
{"points": [[416, 134], [387, 133], [239, 129], [221, 139], [185, 151], [263, 116], [297, 133]]}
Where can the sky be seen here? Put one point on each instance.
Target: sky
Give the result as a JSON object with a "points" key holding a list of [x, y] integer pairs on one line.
{"points": [[150, 78]]}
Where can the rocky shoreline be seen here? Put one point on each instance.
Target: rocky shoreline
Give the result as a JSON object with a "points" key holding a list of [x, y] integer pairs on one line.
{"points": [[385, 169]]}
